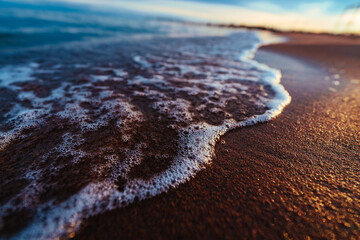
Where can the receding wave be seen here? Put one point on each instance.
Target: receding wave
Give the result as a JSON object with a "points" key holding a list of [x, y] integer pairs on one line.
{"points": [[90, 130]]}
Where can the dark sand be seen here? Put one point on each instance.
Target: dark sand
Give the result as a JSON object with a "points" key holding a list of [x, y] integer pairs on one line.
{"points": [[296, 177]]}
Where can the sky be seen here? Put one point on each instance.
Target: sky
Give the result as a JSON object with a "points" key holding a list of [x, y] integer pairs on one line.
{"points": [[308, 15]]}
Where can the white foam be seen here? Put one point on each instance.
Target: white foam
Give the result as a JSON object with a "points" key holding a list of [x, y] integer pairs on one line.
{"points": [[99, 77], [14, 74], [120, 72], [336, 83], [210, 81]]}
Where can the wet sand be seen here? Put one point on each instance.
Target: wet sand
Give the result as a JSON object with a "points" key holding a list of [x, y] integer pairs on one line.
{"points": [[296, 177]]}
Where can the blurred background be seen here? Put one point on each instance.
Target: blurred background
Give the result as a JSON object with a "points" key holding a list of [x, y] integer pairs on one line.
{"points": [[336, 16], [40, 22]]}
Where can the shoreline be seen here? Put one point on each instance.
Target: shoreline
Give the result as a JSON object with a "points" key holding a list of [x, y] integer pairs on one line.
{"points": [[275, 30], [292, 177]]}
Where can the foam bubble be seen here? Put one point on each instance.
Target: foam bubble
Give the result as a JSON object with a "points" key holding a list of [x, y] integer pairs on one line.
{"points": [[14, 74], [136, 133]]}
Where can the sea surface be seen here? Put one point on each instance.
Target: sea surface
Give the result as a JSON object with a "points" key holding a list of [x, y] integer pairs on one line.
{"points": [[101, 109]]}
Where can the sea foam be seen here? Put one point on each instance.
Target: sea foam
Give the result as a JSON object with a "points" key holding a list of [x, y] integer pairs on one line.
{"points": [[188, 90]]}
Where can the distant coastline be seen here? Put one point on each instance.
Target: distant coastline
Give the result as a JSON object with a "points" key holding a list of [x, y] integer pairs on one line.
{"points": [[270, 29]]}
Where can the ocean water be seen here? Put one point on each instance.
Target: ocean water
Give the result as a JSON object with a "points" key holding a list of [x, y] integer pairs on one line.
{"points": [[100, 110]]}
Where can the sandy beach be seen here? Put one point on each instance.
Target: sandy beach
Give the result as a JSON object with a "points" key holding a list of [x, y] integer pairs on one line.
{"points": [[188, 119], [296, 177]]}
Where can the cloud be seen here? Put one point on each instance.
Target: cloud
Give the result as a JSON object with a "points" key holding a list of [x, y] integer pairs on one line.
{"points": [[315, 9], [265, 6]]}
